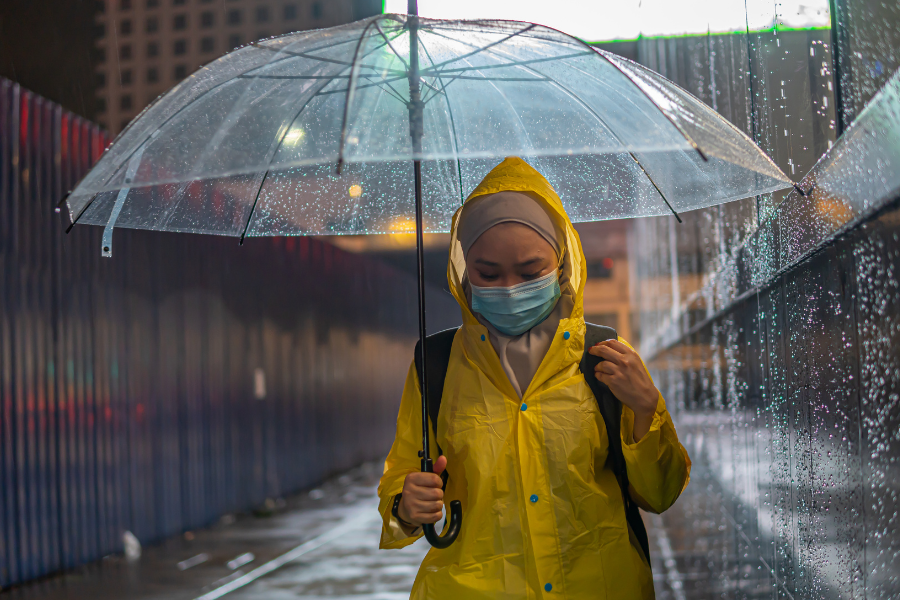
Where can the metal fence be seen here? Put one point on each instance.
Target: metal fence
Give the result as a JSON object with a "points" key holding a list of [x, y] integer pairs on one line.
{"points": [[183, 379]]}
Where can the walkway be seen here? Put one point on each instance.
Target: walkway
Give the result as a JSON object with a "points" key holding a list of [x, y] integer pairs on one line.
{"points": [[321, 544]]}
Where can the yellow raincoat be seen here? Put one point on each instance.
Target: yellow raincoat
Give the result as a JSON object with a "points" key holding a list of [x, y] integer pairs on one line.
{"points": [[543, 515]]}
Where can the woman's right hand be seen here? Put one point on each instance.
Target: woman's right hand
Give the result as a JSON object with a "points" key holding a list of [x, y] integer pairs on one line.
{"points": [[422, 500]]}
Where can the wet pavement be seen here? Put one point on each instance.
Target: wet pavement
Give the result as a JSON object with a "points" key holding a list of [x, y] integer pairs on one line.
{"points": [[324, 544]]}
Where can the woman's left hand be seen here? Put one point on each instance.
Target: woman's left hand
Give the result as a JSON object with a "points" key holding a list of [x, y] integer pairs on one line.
{"points": [[624, 373]]}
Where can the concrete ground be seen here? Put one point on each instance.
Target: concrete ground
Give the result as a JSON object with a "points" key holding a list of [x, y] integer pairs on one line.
{"points": [[317, 545]]}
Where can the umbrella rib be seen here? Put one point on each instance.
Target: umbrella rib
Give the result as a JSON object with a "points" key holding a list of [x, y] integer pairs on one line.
{"points": [[393, 79], [318, 58], [179, 111], [688, 138], [608, 128], [269, 159], [462, 198], [603, 122], [253, 208], [514, 63], [390, 89], [483, 48], [390, 45], [81, 212], [354, 73]]}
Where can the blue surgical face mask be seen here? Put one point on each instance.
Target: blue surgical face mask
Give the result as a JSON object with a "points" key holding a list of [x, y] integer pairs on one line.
{"points": [[516, 309]]}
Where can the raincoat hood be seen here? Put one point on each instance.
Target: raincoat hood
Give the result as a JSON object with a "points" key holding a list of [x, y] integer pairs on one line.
{"points": [[514, 174]]}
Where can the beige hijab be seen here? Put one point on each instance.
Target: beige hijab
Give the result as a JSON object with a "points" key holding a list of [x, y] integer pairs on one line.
{"points": [[520, 355]]}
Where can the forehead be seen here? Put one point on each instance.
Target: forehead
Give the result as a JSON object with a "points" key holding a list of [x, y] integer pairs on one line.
{"points": [[510, 242]]}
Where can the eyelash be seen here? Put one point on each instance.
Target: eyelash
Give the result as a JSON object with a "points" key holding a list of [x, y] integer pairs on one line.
{"points": [[524, 276]]}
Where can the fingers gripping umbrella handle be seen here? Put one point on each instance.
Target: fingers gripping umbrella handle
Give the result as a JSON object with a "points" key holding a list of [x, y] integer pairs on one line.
{"points": [[443, 541]]}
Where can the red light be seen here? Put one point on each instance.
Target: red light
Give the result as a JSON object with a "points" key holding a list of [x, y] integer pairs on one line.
{"points": [[607, 263]]}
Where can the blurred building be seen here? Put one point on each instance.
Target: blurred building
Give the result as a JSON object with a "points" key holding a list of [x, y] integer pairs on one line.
{"points": [[48, 48], [147, 46], [607, 298]]}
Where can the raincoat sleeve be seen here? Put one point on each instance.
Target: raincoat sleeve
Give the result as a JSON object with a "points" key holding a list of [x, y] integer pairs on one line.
{"points": [[402, 460], [658, 465]]}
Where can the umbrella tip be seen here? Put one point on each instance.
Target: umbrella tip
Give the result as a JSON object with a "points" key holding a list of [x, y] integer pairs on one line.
{"points": [[801, 191]]}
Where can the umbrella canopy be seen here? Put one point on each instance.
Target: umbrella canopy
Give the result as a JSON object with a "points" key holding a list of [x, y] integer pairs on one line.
{"points": [[384, 124], [309, 134]]}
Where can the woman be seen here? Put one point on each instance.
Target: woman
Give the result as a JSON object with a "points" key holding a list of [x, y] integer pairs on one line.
{"points": [[523, 439]]}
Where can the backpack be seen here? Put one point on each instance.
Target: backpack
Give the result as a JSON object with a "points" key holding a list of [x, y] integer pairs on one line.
{"points": [[438, 346]]}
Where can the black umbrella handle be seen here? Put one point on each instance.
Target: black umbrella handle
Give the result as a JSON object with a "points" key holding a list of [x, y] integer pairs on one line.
{"points": [[455, 521], [443, 541]]}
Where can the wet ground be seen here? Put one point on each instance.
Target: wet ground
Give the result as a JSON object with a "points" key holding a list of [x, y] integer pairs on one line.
{"points": [[324, 544]]}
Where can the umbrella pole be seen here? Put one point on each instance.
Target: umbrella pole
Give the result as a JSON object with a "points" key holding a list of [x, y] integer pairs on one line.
{"points": [[416, 132]]}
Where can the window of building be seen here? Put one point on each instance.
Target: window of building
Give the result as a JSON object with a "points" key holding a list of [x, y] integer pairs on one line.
{"points": [[125, 27], [290, 12], [124, 4], [179, 22], [99, 30], [262, 14], [152, 25], [152, 3], [101, 56], [101, 105], [100, 79], [125, 76], [207, 44], [124, 124], [234, 17], [179, 2], [152, 49], [206, 1], [125, 102], [234, 41], [100, 7], [180, 47], [207, 19], [152, 75], [180, 72], [316, 10], [601, 269], [125, 52]]}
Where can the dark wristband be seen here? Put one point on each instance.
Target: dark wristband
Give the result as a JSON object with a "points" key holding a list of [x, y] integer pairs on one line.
{"points": [[395, 510]]}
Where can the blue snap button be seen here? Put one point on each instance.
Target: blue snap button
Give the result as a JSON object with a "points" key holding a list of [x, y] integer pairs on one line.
{"points": [[533, 498], [482, 337], [566, 335], [548, 586], [524, 406]]}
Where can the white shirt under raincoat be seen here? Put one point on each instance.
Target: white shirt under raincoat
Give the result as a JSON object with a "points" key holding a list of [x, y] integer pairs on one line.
{"points": [[543, 515]]}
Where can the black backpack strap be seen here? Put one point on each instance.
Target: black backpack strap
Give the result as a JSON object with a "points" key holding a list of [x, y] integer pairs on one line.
{"points": [[437, 346], [611, 410]]}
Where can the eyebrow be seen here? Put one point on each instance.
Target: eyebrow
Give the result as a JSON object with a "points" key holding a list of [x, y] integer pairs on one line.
{"points": [[488, 263], [530, 261]]}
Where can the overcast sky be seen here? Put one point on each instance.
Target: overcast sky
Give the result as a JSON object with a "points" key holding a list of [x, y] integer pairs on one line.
{"points": [[596, 20]]}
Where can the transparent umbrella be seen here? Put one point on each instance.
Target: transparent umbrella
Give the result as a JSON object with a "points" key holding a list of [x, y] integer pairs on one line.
{"points": [[383, 125]]}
